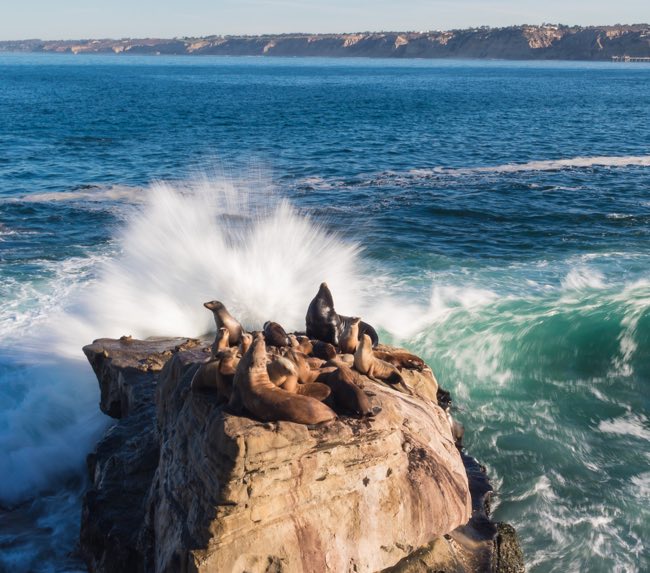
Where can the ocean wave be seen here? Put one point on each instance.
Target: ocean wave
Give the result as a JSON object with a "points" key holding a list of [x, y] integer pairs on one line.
{"points": [[541, 165], [90, 193]]}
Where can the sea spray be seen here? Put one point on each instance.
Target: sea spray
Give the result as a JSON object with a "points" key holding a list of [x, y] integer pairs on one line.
{"points": [[184, 245]]}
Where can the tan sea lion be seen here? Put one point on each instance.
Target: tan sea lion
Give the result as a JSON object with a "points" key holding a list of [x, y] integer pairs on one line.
{"points": [[275, 335], [374, 368], [401, 359], [350, 336], [221, 342], [264, 400], [283, 373], [217, 375], [223, 318], [306, 374], [245, 342], [301, 343]]}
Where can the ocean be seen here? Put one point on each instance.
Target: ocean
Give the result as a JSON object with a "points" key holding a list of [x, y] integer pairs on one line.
{"points": [[493, 217]]}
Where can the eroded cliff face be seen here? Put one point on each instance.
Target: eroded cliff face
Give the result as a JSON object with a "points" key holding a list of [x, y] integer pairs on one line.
{"points": [[181, 484], [547, 42]]}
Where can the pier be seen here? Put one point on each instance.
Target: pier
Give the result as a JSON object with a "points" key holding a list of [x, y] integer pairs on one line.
{"points": [[630, 59]]}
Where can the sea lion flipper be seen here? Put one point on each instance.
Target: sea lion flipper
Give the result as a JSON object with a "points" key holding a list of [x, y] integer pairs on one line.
{"points": [[314, 390]]}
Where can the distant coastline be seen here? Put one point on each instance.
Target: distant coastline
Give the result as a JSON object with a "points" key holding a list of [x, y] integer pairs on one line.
{"points": [[545, 42]]}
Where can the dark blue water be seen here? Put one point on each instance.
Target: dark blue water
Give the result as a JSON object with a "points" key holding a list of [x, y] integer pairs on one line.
{"points": [[503, 210]]}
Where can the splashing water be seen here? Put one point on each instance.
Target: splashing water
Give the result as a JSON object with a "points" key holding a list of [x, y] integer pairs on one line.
{"points": [[184, 246]]}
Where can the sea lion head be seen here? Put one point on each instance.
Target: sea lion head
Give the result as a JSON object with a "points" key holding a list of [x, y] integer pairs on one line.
{"points": [[213, 305], [325, 295]]}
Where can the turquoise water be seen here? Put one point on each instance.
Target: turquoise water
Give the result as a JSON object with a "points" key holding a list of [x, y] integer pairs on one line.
{"points": [[491, 216]]}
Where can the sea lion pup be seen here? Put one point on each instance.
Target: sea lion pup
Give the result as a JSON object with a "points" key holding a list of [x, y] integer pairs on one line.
{"points": [[264, 400], [349, 339], [223, 318], [374, 368], [275, 335], [324, 323], [401, 359], [345, 391]]}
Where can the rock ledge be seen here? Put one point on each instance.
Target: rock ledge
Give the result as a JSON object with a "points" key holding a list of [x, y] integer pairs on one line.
{"points": [[181, 484]]}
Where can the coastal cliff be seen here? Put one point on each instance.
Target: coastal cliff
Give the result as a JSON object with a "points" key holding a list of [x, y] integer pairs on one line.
{"points": [[181, 484], [546, 42]]}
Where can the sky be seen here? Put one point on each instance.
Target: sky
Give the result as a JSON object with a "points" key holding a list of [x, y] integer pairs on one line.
{"points": [[76, 19]]}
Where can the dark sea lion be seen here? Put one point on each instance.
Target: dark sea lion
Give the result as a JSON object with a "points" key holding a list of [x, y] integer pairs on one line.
{"points": [[323, 350], [325, 324], [346, 393], [275, 335], [223, 318], [264, 400]]}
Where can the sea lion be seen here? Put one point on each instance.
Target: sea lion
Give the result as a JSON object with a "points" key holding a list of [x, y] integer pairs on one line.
{"points": [[217, 374], [245, 342], [349, 339], [221, 341], [346, 392], [301, 343], [401, 359], [223, 318], [325, 324], [254, 390], [283, 373], [323, 350], [305, 373], [275, 335], [374, 368]]}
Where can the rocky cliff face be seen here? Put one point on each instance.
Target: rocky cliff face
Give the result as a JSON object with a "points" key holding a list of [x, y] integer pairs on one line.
{"points": [[181, 484], [547, 42]]}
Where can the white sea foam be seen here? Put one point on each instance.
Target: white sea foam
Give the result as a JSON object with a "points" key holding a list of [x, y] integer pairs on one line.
{"points": [[543, 165], [258, 255], [634, 425], [92, 194], [583, 277]]}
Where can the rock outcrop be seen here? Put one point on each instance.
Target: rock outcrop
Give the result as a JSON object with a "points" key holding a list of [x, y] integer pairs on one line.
{"points": [[546, 42], [181, 484]]}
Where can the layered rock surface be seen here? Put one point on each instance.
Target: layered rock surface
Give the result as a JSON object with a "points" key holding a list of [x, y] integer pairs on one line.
{"points": [[181, 484]]}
